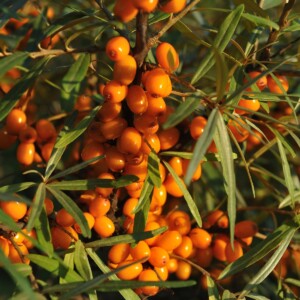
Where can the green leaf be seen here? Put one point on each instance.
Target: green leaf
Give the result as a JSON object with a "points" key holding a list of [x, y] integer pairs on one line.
{"points": [[260, 250], [153, 169], [90, 184], [267, 4], [293, 281], [221, 73], [21, 281], [74, 133], [201, 146], [185, 109], [225, 33], [260, 21], [227, 295], [23, 84], [272, 262], [24, 269], [37, 205], [11, 61], [225, 152], [213, 293], [287, 172], [68, 261], [187, 196], [72, 208], [55, 267], [16, 187], [288, 200]]}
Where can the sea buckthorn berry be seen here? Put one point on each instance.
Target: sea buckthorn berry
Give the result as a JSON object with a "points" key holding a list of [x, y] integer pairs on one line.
{"points": [[274, 87], [113, 129], [167, 56], [109, 111], [104, 226], [197, 126], [31, 234], [125, 11], [140, 170], [198, 172], [219, 245], [90, 220], [146, 124], [115, 92], [15, 209], [254, 139], [150, 142], [201, 238], [168, 138], [128, 225], [251, 106], [62, 237], [117, 48], [131, 272], [184, 270], [217, 217], [156, 106], [15, 121], [169, 240], [6, 140], [172, 265], [176, 163], [148, 275], [64, 218], [125, 70], [145, 5], [136, 99], [130, 141], [18, 237], [45, 130], [173, 6], [239, 129], [87, 196], [247, 241], [118, 253], [4, 245], [47, 150], [129, 206], [233, 254], [25, 153], [169, 111], [14, 255], [103, 191], [115, 159], [162, 273], [162, 172], [159, 257], [180, 221], [185, 248], [28, 135], [262, 82], [158, 83], [94, 133], [245, 229], [141, 250], [172, 187], [83, 102], [99, 206], [91, 150], [149, 227], [204, 257], [159, 197]]}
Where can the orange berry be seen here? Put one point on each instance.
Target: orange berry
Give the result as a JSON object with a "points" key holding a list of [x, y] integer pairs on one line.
{"points": [[62, 237], [125, 11], [172, 186], [245, 229], [87, 197], [118, 253], [28, 135], [219, 246], [173, 6], [159, 197], [237, 127], [105, 192], [159, 257], [128, 225], [115, 159], [162, 273], [197, 126], [169, 240], [4, 245], [201, 238], [176, 163], [164, 117], [204, 257], [90, 220], [109, 111], [146, 124], [168, 138], [45, 130], [262, 82], [150, 141], [184, 270], [156, 106], [104, 226], [15, 121], [117, 48], [148, 275], [64, 218], [180, 221], [99, 206], [274, 87], [129, 205], [149, 227], [217, 217], [185, 248], [18, 237], [125, 70], [233, 254], [251, 105], [158, 83], [25, 153], [167, 57], [141, 250], [47, 150], [198, 172], [83, 102], [162, 172], [131, 272], [136, 99], [130, 141], [114, 91], [145, 5], [15, 209], [172, 265], [113, 129], [49, 206], [94, 134], [31, 234], [91, 150], [140, 170], [14, 255]]}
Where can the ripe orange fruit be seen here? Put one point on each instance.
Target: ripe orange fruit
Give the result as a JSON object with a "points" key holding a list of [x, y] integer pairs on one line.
{"points": [[245, 229], [168, 137], [150, 142], [262, 82], [167, 57], [130, 141], [185, 248], [113, 129], [204, 257], [14, 255], [90, 220], [141, 250], [99, 206], [125, 70], [91, 150], [25, 153], [131, 272], [158, 83], [136, 99], [104, 226], [201, 238], [115, 159], [102, 191], [233, 254], [4, 245], [145, 5], [219, 245], [28, 135], [117, 48], [172, 187], [252, 105], [217, 217], [239, 129], [180, 221], [159, 257], [173, 6], [156, 106], [15, 121], [184, 270], [118, 253], [197, 126], [146, 124], [64, 218], [124, 10], [274, 87], [45, 130], [114, 91], [148, 275], [62, 237], [169, 240], [15, 209], [109, 111]]}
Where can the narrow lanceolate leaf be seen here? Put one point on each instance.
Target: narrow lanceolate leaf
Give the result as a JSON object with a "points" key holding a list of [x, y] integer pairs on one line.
{"points": [[55, 267], [187, 196], [21, 281], [288, 200], [225, 33], [201, 146], [24, 83], [90, 184], [260, 21], [185, 109], [212, 290], [72, 208], [272, 262], [153, 169], [286, 171], [68, 261], [221, 73], [260, 250], [16, 187], [225, 152], [75, 132], [37, 205], [227, 295], [11, 61]]}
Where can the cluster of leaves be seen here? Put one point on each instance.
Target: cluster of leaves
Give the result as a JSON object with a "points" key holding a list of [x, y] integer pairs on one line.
{"points": [[225, 48]]}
